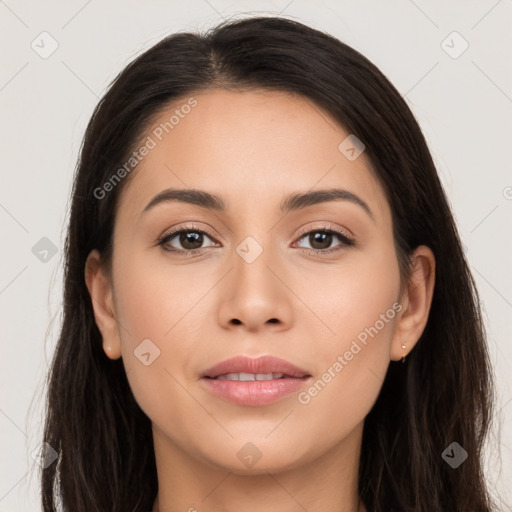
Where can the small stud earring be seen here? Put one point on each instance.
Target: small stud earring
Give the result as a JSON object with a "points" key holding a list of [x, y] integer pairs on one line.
{"points": [[403, 357]]}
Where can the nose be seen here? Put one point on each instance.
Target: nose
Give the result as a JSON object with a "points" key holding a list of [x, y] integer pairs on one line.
{"points": [[254, 295]]}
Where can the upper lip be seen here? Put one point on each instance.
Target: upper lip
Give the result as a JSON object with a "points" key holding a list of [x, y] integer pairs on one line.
{"points": [[264, 364]]}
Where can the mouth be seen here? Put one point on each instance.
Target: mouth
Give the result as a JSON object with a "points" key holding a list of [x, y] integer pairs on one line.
{"points": [[254, 382], [251, 377], [244, 368]]}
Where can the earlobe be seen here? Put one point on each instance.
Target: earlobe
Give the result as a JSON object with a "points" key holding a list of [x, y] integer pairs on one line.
{"points": [[100, 291], [416, 303]]}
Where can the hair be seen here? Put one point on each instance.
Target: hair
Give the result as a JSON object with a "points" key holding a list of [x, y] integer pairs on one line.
{"points": [[444, 391]]}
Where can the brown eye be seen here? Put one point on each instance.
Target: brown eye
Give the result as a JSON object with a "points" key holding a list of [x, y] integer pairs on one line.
{"points": [[190, 240], [184, 241], [320, 240]]}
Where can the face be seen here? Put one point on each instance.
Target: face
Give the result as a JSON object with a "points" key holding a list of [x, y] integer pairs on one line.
{"points": [[261, 281]]}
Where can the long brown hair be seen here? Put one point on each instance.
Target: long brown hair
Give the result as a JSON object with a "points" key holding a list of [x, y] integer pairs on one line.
{"points": [[442, 394]]}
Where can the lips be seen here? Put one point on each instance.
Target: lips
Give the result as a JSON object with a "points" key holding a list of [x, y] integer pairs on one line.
{"points": [[264, 365], [254, 382]]}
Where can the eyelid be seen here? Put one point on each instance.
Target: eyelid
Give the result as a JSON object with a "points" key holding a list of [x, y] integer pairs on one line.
{"points": [[190, 227], [327, 227]]}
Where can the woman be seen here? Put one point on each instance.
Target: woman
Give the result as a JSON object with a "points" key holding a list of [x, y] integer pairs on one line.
{"points": [[266, 302]]}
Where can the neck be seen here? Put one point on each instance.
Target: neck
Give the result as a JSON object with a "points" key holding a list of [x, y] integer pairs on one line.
{"points": [[187, 483]]}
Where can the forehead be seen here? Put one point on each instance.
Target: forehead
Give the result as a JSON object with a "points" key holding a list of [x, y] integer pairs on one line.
{"points": [[250, 147]]}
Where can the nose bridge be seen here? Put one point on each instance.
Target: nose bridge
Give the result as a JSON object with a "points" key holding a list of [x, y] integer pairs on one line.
{"points": [[253, 259], [257, 246], [256, 295]]}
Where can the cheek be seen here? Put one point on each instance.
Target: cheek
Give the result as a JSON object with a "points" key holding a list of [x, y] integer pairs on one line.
{"points": [[345, 299], [157, 312], [350, 373], [358, 305], [153, 298]]}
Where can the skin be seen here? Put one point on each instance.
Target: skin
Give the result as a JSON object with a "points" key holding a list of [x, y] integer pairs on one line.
{"points": [[234, 144]]}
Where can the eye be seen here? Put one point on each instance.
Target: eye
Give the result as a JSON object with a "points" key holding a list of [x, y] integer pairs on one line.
{"points": [[320, 240], [191, 240]]}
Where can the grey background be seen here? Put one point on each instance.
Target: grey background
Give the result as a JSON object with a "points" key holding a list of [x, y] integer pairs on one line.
{"points": [[463, 105]]}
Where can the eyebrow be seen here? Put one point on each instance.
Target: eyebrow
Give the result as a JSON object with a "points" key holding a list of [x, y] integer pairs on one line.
{"points": [[291, 203]]}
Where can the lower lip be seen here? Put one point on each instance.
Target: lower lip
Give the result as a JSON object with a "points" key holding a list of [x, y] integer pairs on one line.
{"points": [[254, 393]]}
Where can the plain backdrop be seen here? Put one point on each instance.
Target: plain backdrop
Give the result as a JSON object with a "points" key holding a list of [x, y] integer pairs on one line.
{"points": [[462, 98]]}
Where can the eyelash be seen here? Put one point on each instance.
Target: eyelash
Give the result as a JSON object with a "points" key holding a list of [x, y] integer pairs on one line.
{"points": [[345, 239]]}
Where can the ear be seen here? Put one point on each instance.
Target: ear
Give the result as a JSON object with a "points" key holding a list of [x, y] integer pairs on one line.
{"points": [[100, 290], [416, 302]]}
